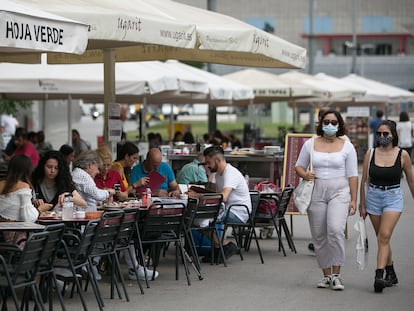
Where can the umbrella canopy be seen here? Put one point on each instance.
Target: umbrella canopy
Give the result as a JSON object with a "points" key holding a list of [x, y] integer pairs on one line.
{"points": [[222, 91], [268, 87], [24, 29], [134, 81], [164, 29], [127, 30], [379, 92]]}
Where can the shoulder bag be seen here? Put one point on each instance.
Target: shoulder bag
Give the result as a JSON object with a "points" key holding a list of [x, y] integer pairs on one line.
{"points": [[303, 192]]}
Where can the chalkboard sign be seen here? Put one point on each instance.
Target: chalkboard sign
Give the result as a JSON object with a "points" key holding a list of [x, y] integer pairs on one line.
{"points": [[293, 145]]}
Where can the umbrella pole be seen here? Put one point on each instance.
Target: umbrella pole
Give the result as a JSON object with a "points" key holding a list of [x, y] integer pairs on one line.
{"points": [[69, 119], [109, 86]]}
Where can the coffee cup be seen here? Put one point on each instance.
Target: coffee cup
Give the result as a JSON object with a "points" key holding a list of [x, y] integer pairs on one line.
{"points": [[80, 214]]}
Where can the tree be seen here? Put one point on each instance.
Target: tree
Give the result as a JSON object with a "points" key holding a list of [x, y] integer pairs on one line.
{"points": [[9, 106]]}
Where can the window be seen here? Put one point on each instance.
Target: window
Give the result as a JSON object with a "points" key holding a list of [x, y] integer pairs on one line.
{"points": [[376, 24], [266, 24], [320, 25]]}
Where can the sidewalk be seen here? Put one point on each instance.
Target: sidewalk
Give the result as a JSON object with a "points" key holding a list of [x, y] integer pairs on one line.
{"points": [[282, 283]]}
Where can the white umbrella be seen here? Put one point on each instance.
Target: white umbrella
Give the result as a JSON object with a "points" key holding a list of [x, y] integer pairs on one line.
{"points": [[164, 29], [379, 92], [136, 81], [26, 29], [126, 30], [268, 87], [221, 90]]}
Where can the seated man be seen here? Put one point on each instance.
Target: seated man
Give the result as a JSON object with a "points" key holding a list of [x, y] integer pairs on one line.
{"points": [[193, 172], [153, 162], [232, 185]]}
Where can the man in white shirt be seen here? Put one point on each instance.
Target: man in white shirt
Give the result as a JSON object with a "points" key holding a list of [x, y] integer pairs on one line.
{"points": [[8, 125]]}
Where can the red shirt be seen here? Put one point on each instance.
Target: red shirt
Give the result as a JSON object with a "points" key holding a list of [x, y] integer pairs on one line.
{"points": [[112, 178], [29, 150]]}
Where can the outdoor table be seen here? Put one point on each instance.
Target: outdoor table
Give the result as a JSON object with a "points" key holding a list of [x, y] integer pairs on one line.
{"points": [[20, 226], [70, 222]]}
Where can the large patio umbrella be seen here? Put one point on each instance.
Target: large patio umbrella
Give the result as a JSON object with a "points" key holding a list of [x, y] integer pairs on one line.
{"points": [[126, 30], [170, 30], [379, 92], [136, 81], [268, 87], [25, 31], [340, 93]]}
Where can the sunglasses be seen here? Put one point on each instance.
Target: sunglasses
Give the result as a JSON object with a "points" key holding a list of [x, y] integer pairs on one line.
{"points": [[385, 134], [333, 122]]}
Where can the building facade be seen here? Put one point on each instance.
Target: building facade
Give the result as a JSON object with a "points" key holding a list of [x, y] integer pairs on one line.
{"points": [[384, 31]]}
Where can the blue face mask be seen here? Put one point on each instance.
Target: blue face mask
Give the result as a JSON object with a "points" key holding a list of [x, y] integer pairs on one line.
{"points": [[330, 129]]}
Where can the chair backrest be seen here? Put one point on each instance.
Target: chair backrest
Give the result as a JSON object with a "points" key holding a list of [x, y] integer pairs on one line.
{"points": [[284, 200], [163, 218], [255, 200], [128, 227], [107, 232], [206, 207], [80, 252], [52, 246], [31, 256]]}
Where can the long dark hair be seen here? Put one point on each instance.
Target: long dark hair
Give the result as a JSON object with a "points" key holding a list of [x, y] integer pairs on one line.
{"points": [[63, 180], [19, 169], [341, 123], [128, 148]]}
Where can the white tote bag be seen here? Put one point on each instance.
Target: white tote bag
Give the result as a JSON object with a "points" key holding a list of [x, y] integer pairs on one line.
{"points": [[303, 193], [362, 244]]}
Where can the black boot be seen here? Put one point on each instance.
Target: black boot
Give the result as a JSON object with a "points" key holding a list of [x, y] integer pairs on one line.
{"points": [[380, 283], [390, 275]]}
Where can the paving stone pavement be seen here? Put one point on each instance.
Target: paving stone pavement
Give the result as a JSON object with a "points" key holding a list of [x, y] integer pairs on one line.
{"points": [[281, 283]]}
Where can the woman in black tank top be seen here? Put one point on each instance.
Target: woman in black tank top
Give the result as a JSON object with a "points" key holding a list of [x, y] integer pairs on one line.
{"points": [[381, 197]]}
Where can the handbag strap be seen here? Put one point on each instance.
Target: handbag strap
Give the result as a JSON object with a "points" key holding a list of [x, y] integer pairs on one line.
{"points": [[311, 154]]}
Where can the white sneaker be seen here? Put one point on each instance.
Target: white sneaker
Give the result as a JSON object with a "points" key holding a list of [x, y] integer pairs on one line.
{"points": [[325, 282], [96, 273], [141, 274], [337, 283]]}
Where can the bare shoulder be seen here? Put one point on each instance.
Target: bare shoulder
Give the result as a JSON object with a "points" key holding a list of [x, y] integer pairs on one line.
{"points": [[21, 185]]}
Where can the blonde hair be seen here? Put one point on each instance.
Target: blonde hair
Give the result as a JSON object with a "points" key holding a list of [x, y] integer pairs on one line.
{"points": [[104, 153]]}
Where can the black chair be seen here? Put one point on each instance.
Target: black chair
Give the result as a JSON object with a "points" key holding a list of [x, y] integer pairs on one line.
{"points": [[126, 236], [243, 232], [77, 247], [48, 280], [163, 224], [202, 217], [18, 269], [282, 207], [276, 218], [104, 244]]}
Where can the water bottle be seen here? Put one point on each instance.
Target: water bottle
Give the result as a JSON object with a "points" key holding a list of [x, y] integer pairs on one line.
{"points": [[149, 194], [67, 207]]}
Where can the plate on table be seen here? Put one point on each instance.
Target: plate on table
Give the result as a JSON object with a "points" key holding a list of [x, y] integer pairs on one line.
{"points": [[50, 215]]}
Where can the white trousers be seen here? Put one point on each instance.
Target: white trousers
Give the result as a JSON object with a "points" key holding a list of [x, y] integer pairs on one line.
{"points": [[327, 214]]}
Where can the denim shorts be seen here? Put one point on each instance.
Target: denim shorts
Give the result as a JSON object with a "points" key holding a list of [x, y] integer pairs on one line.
{"points": [[379, 201], [231, 219]]}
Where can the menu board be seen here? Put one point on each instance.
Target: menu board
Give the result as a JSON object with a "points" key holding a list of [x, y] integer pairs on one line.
{"points": [[293, 145]]}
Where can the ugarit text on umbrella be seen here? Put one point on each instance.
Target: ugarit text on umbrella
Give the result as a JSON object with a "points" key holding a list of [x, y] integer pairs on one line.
{"points": [[26, 32]]}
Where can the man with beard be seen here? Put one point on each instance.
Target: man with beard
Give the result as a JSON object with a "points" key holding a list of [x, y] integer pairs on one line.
{"points": [[232, 185]]}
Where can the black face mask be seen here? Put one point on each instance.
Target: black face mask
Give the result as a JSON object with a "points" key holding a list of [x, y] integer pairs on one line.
{"points": [[384, 141]]}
